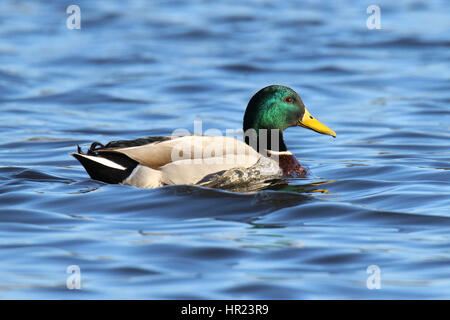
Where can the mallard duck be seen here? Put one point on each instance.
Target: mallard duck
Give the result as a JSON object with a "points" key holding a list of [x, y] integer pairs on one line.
{"points": [[190, 159]]}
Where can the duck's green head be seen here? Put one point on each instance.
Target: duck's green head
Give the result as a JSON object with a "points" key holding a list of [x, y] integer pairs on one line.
{"points": [[280, 107]]}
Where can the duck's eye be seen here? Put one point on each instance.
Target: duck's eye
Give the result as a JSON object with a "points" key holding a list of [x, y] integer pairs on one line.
{"points": [[289, 100]]}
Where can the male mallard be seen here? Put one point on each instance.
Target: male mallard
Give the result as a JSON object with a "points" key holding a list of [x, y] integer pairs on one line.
{"points": [[187, 159]]}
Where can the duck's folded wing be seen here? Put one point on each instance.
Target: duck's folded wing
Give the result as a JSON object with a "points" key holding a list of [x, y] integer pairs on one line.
{"points": [[188, 149]]}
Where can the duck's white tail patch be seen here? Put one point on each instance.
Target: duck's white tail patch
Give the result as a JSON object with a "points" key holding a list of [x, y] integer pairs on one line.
{"points": [[103, 161]]}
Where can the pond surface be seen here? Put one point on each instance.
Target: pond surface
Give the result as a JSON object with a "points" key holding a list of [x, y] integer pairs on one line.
{"points": [[378, 194]]}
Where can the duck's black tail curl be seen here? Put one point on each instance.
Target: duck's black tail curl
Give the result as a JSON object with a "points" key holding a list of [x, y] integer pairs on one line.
{"points": [[94, 147]]}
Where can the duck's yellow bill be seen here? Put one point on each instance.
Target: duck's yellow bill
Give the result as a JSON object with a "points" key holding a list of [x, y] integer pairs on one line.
{"points": [[309, 122]]}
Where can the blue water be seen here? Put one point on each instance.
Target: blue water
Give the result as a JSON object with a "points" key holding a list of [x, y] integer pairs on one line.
{"points": [[378, 194]]}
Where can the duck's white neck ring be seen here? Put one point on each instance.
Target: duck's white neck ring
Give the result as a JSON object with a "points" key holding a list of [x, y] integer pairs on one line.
{"points": [[279, 153]]}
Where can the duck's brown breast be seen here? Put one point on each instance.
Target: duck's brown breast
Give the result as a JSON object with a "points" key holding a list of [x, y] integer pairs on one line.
{"points": [[290, 166]]}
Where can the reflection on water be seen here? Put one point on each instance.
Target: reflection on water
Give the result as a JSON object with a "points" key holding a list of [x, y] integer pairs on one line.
{"points": [[377, 195], [315, 187]]}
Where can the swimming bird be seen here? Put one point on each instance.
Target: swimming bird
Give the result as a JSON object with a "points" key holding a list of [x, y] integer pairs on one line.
{"points": [[192, 159]]}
